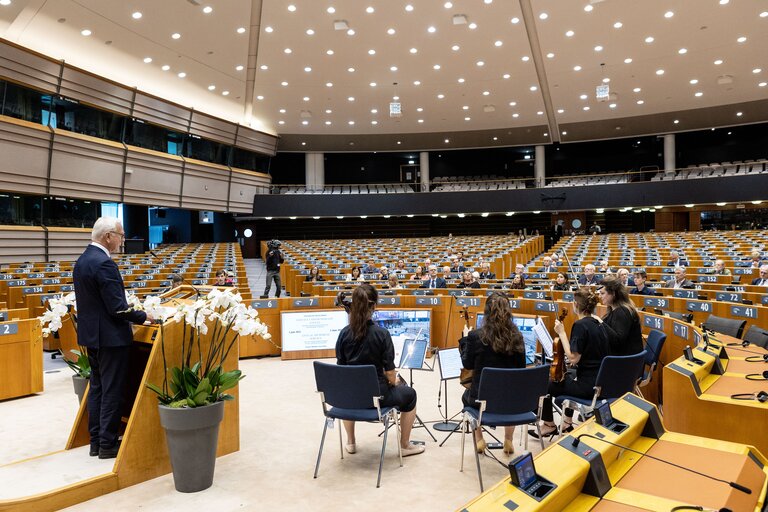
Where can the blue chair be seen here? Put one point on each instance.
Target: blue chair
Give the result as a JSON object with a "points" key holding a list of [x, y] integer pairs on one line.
{"points": [[617, 376], [506, 398], [653, 346], [352, 393]]}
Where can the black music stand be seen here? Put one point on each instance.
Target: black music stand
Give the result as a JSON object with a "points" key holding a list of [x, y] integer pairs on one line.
{"points": [[450, 368]]}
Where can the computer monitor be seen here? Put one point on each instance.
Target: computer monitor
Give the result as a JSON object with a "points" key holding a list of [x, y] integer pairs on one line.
{"points": [[525, 324], [405, 324]]}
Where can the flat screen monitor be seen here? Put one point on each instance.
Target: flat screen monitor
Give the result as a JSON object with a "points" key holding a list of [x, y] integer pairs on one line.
{"points": [[405, 324], [311, 330], [525, 324]]}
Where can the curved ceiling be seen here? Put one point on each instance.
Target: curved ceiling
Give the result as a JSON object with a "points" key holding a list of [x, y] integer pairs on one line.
{"points": [[467, 73]]}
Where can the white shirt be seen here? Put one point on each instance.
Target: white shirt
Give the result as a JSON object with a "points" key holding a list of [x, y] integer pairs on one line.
{"points": [[106, 251]]}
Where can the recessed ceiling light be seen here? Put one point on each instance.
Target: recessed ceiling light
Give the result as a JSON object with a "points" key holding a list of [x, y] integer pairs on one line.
{"points": [[447, 5], [350, 32], [351, 70], [391, 31], [351, 98], [498, 43], [583, 97], [329, 84], [564, 133], [480, 63], [682, 51], [467, 118], [86, 32], [577, 68], [515, 115], [240, 68], [372, 84], [560, 111], [588, 7], [739, 114], [413, 50], [506, 76], [669, 14], [718, 62], [762, 84], [611, 105], [306, 98], [308, 69], [374, 122], [628, 60], [263, 67], [292, 8], [288, 51], [350, 123], [147, 60], [676, 121], [693, 81], [374, 111], [724, 2], [465, 107], [370, 10], [525, 58], [282, 111], [409, 8], [420, 120], [137, 15], [419, 109], [455, 47], [393, 68], [207, 9], [268, 30], [328, 123], [259, 97], [640, 102], [569, 33], [416, 82], [585, 108], [165, 67], [550, 55], [764, 14], [534, 88], [618, 24], [543, 16], [649, 39], [472, 26], [281, 122], [756, 70], [447, 141], [211, 87], [182, 74], [461, 80], [598, 48], [305, 123], [741, 39], [371, 52], [440, 96], [175, 35], [284, 84], [436, 67], [241, 30], [512, 103], [330, 10], [328, 111], [486, 93], [310, 32], [431, 30], [540, 113], [659, 72], [636, 89], [699, 94], [515, 20]]}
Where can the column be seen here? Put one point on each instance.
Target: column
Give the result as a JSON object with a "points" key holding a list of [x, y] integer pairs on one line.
{"points": [[424, 170], [314, 170], [670, 163], [539, 167]]}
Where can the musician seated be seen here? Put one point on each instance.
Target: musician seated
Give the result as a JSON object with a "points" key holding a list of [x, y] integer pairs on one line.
{"points": [[355, 275], [362, 342], [763, 279], [720, 268], [314, 275], [584, 349], [518, 282], [679, 281], [486, 271], [640, 288], [561, 283], [625, 335], [519, 269], [468, 281], [497, 344], [589, 277], [547, 265], [433, 280]]}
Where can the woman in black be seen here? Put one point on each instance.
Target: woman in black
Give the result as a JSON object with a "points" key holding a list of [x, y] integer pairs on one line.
{"points": [[497, 344], [585, 349], [468, 281], [561, 283], [363, 342], [314, 275], [622, 317]]}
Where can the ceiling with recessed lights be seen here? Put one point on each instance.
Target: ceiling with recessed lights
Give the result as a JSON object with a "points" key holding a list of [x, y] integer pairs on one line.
{"points": [[469, 72]]}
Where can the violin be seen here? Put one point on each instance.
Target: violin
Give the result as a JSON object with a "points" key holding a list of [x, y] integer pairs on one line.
{"points": [[465, 377], [557, 370]]}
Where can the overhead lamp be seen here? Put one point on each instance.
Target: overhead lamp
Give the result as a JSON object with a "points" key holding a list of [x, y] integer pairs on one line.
{"points": [[720, 204], [689, 205], [460, 215], [460, 19], [484, 214], [756, 202], [509, 214], [340, 25]]}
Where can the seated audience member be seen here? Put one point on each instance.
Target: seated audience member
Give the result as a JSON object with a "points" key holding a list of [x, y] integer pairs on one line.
{"points": [[763, 279], [675, 261], [370, 268], [547, 265], [222, 279], [518, 282], [467, 281], [623, 275], [519, 270], [460, 257], [720, 268], [355, 275], [425, 266], [604, 267], [400, 267], [418, 275], [361, 343], [555, 259], [175, 281], [392, 282], [486, 271], [314, 275], [755, 259], [585, 349], [433, 280], [383, 273], [447, 271], [561, 283], [640, 288], [520, 236], [589, 277], [457, 267], [497, 344], [595, 229], [622, 317], [679, 281]]}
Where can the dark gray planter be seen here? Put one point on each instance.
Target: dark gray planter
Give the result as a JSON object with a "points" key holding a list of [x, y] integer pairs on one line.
{"points": [[192, 435], [80, 384]]}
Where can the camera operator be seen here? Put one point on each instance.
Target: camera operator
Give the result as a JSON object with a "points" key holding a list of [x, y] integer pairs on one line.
{"points": [[274, 259]]}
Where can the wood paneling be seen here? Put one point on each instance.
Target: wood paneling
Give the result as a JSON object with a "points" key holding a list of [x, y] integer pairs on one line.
{"points": [[96, 91], [24, 164], [86, 167], [160, 112], [22, 243], [67, 244], [243, 187], [26, 67], [205, 187], [152, 178]]}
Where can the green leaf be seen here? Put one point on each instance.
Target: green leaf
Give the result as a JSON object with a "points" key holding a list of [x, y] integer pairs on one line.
{"points": [[226, 397], [191, 403], [156, 390]]}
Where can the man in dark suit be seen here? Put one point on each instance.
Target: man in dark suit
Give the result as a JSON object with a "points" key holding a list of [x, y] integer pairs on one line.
{"points": [[763, 279], [675, 261], [640, 289], [104, 329], [679, 281], [434, 281], [589, 277], [547, 265]]}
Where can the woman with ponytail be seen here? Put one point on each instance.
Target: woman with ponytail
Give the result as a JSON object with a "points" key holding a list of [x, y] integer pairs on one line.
{"points": [[362, 342], [584, 349]]}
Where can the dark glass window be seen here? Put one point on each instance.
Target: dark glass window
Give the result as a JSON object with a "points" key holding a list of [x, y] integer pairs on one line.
{"points": [[76, 117], [73, 213], [26, 104], [207, 150], [150, 136], [19, 209], [250, 161]]}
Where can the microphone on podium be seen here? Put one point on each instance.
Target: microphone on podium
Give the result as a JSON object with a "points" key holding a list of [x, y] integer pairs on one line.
{"points": [[197, 291], [739, 487]]}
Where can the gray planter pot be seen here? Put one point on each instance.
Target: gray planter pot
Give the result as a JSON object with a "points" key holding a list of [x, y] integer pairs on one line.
{"points": [[80, 384], [192, 436]]}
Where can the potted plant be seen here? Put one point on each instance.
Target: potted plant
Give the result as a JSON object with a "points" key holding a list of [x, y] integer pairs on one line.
{"points": [[193, 392], [82, 368], [51, 321]]}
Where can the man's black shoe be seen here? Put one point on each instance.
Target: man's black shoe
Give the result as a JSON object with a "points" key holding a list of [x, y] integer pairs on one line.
{"points": [[94, 451], [109, 453]]}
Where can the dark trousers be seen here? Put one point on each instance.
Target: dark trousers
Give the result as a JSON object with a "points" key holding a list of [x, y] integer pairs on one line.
{"points": [[109, 371], [273, 274], [570, 387]]}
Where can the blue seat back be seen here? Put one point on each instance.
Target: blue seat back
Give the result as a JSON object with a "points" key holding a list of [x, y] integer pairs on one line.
{"points": [[347, 387], [619, 374], [653, 346], [513, 390]]}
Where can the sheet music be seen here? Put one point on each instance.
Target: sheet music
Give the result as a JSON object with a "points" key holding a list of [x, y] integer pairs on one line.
{"points": [[542, 334], [450, 363]]}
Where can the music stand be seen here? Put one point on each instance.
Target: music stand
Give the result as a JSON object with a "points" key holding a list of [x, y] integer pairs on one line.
{"points": [[450, 368], [413, 357]]}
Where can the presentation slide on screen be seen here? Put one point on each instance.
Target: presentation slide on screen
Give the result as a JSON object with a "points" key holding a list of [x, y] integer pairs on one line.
{"points": [[311, 330], [404, 324], [526, 326]]}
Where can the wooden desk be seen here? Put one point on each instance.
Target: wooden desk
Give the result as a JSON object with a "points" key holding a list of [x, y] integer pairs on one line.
{"points": [[21, 358]]}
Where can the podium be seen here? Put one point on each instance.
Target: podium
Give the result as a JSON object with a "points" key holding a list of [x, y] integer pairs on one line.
{"points": [[143, 454], [21, 358]]}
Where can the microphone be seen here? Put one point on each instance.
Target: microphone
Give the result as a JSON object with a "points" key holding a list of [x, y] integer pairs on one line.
{"points": [[735, 485], [196, 290]]}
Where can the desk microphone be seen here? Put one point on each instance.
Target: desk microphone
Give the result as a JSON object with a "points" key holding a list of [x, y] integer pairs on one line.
{"points": [[736, 486], [184, 281]]}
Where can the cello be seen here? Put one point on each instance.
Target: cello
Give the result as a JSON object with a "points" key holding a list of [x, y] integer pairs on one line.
{"points": [[557, 370]]}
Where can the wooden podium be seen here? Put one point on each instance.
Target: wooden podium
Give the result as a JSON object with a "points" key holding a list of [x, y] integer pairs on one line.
{"points": [[143, 454], [21, 358]]}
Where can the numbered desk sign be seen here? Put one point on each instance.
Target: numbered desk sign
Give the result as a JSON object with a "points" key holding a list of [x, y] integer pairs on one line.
{"points": [[700, 306], [306, 302], [685, 294], [459, 293], [548, 306], [540, 295], [18, 282], [264, 304], [33, 289], [654, 322], [708, 279], [126, 272], [514, 303], [334, 288], [429, 301], [744, 311], [389, 300], [6, 277], [6, 329], [655, 302], [138, 284], [36, 275], [696, 338], [48, 296], [52, 280], [3, 316], [198, 282], [567, 296], [680, 330], [67, 287], [728, 296], [468, 301]]}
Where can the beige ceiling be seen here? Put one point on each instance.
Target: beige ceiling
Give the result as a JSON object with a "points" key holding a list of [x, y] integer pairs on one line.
{"points": [[518, 48]]}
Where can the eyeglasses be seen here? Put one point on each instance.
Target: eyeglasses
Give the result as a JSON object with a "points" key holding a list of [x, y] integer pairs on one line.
{"points": [[121, 235]]}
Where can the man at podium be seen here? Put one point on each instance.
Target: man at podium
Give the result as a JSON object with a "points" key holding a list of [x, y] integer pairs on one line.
{"points": [[104, 328]]}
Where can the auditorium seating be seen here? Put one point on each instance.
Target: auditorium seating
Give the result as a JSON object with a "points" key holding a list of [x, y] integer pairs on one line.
{"points": [[715, 170]]}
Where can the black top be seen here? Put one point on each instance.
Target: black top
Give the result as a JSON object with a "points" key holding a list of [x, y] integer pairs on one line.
{"points": [[561, 287], [629, 338], [274, 259], [473, 284], [375, 348], [590, 340], [647, 290], [318, 277], [476, 355], [487, 275]]}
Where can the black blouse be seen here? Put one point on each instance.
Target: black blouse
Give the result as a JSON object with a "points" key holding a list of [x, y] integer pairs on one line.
{"points": [[476, 355], [629, 336], [375, 348], [590, 340]]}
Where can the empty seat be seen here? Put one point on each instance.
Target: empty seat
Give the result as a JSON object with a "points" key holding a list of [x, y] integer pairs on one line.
{"points": [[727, 326]]}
